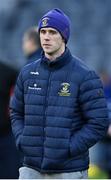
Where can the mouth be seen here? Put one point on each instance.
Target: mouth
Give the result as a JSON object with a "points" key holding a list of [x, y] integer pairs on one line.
{"points": [[47, 45]]}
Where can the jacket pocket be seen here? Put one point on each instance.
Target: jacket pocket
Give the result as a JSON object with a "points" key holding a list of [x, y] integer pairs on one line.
{"points": [[71, 151], [18, 143], [79, 155]]}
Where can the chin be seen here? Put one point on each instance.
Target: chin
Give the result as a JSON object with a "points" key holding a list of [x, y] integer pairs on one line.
{"points": [[48, 52]]}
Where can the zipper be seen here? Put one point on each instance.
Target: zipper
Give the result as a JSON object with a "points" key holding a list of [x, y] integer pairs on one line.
{"points": [[45, 111]]}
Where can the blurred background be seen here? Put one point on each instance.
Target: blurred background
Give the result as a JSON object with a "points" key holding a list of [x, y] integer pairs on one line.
{"points": [[90, 40]]}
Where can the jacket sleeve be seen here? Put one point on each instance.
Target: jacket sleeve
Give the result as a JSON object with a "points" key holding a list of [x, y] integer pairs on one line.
{"points": [[17, 110], [95, 114]]}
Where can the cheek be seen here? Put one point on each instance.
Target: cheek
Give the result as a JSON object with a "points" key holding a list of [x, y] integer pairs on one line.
{"points": [[41, 39], [57, 42]]}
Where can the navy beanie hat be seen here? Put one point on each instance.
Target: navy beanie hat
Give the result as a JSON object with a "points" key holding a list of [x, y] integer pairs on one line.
{"points": [[57, 20]]}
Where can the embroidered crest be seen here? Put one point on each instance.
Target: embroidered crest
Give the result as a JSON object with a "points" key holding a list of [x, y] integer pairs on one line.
{"points": [[45, 22], [65, 90]]}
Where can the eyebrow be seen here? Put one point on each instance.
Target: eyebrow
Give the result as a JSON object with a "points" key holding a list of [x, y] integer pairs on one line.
{"points": [[50, 30]]}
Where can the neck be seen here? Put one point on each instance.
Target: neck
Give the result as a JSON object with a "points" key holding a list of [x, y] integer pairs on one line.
{"points": [[52, 56]]}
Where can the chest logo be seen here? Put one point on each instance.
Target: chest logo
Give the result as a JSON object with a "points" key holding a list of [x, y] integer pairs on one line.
{"points": [[64, 91], [34, 73], [34, 87]]}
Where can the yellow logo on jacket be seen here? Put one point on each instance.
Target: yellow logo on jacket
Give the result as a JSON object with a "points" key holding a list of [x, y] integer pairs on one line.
{"points": [[64, 89]]}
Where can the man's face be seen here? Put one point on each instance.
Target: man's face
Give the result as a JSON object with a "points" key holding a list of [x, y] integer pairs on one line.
{"points": [[51, 40]]}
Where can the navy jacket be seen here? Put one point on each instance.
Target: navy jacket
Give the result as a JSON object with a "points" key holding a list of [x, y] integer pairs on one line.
{"points": [[58, 112]]}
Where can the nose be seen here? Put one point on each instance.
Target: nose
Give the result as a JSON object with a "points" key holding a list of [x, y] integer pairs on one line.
{"points": [[47, 36]]}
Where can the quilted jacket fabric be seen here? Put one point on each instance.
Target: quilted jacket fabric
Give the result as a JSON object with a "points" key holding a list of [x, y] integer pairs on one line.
{"points": [[58, 112]]}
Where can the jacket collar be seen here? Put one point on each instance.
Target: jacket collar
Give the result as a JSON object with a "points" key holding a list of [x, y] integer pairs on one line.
{"points": [[58, 62]]}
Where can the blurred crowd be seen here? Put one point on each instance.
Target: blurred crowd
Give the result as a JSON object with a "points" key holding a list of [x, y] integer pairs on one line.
{"points": [[19, 44]]}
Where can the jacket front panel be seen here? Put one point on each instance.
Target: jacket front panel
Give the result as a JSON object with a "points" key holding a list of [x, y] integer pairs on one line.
{"points": [[51, 105]]}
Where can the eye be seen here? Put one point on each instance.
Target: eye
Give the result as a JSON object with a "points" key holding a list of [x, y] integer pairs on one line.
{"points": [[53, 32], [42, 31]]}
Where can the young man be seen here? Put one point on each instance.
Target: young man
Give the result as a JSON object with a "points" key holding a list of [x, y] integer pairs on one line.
{"points": [[31, 45], [58, 110]]}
